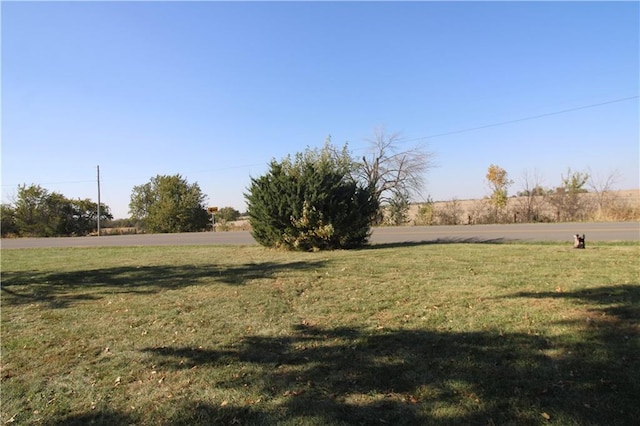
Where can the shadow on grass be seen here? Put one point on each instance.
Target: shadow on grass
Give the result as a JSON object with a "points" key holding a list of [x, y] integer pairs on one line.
{"points": [[437, 241], [356, 376], [109, 417], [59, 290], [349, 376], [621, 302]]}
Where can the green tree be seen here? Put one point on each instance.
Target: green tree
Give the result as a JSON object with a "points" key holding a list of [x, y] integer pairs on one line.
{"points": [[169, 204], [40, 213], [311, 202], [8, 218], [82, 216], [398, 208], [567, 200], [574, 181], [227, 214]]}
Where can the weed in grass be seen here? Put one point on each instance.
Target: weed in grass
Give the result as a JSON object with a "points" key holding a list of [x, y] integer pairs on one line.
{"points": [[409, 334]]}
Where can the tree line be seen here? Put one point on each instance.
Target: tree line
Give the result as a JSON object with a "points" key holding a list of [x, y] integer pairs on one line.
{"points": [[40, 213], [325, 198], [318, 199]]}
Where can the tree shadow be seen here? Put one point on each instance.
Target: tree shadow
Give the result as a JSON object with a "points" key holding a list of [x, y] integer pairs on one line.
{"points": [[621, 302], [437, 241], [61, 289], [108, 417], [356, 376], [605, 355]]}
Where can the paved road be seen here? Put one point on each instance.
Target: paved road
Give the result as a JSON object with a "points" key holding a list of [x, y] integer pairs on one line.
{"points": [[623, 231]]}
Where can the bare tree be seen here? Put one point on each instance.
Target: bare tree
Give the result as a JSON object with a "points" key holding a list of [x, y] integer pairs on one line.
{"points": [[449, 213], [391, 171], [602, 187], [532, 197]]}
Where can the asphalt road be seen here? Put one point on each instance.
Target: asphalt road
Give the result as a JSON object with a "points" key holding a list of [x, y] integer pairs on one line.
{"points": [[618, 231]]}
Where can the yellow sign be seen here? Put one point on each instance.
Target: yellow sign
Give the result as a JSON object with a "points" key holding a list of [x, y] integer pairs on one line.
{"points": [[212, 209]]}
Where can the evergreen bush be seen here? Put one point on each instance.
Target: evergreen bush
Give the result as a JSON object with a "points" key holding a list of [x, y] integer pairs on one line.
{"points": [[310, 203]]}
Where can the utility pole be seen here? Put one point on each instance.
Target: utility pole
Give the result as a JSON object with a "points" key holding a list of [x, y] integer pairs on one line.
{"points": [[98, 167]]}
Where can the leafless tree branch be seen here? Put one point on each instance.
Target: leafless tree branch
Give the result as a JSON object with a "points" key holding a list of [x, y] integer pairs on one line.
{"points": [[390, 170]]}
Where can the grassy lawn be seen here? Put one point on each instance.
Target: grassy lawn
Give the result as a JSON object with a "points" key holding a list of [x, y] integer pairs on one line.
{"points": [[393, 334]]}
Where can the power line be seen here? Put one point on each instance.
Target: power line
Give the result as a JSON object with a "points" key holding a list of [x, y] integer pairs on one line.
{"points": [[533, 117], [53, 183], [453, 132]]}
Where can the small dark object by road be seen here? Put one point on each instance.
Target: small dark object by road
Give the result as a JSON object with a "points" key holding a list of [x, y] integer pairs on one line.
{"points": [[578, 241]]}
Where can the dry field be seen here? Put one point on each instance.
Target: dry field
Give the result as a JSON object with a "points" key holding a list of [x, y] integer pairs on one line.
{"points": [[625, 199]]}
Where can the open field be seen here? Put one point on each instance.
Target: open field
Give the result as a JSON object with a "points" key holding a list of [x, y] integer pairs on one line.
{"points": [[619, 205], [415, 333]]}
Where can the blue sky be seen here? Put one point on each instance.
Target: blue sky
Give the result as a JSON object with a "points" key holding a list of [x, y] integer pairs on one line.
{"points": [[215, 90]]}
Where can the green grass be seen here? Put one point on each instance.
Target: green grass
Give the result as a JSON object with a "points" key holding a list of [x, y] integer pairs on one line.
{"points": [[393, 334]]}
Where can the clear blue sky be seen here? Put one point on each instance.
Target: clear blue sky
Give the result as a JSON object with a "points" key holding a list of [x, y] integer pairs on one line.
{"points": [[214, 91]]}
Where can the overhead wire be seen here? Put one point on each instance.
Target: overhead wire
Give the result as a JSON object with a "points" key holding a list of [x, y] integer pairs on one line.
{"points": [[437, 135], [518, 120]]}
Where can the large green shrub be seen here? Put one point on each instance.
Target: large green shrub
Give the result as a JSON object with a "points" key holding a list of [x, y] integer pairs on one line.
{"points": [[310, 203]]}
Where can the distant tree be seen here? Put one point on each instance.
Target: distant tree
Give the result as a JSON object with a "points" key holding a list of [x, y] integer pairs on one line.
{"points": [[8, 218], [568, 203], [40, 213], [81, 216], [574, 181], [393, 173], [310, 202], [449, 213], [169, 204], [398, 208], [227, 214], [426, 213], [602, 187], [536, 191], [532, 197], [611, 204], [37, 211], [499, 182]]}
